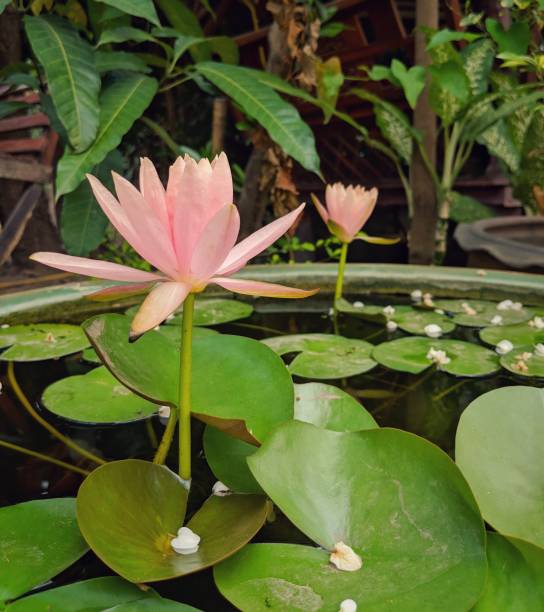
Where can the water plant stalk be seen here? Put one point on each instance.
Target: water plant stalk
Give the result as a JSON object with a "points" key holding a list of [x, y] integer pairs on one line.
{"points": [[45, 424], [340, 276], [167, 437], [184, 403], [42, 457]]}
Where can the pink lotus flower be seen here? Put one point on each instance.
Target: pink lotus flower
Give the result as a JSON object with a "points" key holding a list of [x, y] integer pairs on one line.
{"points": [[348, 209], [187, 231]]}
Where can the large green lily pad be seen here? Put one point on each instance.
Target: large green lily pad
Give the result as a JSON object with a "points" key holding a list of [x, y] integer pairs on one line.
{"points": [[238, 383], [96, 397], [514, 580], [41, 341], [211, 311], [410, 355], [324, 356], [521, 334], [130, 510], [398, 501], [499, 449], [484, 312], [330, 407], [38, 539], [518, 363]]}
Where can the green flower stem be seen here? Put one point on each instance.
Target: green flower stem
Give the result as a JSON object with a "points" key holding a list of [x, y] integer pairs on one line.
{"points": [[37, 455], [167, 437], [341, 269], [184, 403]]}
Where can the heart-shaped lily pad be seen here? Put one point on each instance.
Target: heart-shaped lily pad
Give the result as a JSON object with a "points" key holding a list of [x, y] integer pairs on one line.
{"points": [[412, 355], [237, 382], [38, 539], [130, 510], [330, 407], [499, 449], [211, 311], [514, 579], [90, 356], [324, 356], [41, 341], [480, 313], [96, 397], [398, 501], [173, 332], [520, 334], [524, 361]]}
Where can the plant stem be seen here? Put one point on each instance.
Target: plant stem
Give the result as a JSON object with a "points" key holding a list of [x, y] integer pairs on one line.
{"points": [[167, 437], [27, 451], [52, 430], [340, 276], [184, 403]]}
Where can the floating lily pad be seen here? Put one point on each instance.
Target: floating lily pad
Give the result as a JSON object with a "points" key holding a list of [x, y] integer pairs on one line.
{"points": [[485, 312], [211, 311], [398, 501], [331, 408], [173, 333], [38, 539], [226, 457], [130, 510], [514, 580], [96, 397], [238, 383], [370, 312], [41, 341], [516, 362], [499, 449], [90, 355], [324, 356], [519, 335], [410, 355]]}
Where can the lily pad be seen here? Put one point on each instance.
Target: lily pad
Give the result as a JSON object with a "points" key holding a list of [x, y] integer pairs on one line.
{"points": [[41, 341], [173, 332], [398, 501], [514, 580], [38, 540], [331, 408], [226, 457], [499, 449], [211, 311], [130, 510], [520, 334], [96, 397], [410, 355], [90, 356], [324, 356], [238, 383], [484, 312], [516, 361]]}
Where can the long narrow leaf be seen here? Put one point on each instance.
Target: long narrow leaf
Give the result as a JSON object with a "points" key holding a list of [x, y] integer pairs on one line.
{"points": [[138, 8]]}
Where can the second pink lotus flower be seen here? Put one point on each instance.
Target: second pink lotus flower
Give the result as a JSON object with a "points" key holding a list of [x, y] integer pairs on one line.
{"points": [[187, 231]]}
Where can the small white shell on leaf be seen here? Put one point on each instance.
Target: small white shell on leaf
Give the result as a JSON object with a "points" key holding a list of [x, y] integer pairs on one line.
{"points": [[186, 542], [504, 347], [345, 558], [358, 305], [348, 605], [220, 489], [496, 320], [433, 330], [389, 311], [391, 326], [438, 357]]}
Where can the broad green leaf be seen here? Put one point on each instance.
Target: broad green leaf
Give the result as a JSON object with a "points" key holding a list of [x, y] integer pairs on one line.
{"points": [[138, 8], [324, 356], [180, 17], [514, 40], [514, 579], [499, 142], [481, 313], [329, 78], [117, 499], [421, 544], [96, 397], [72, 78], [223, 391], [524, 361], [9, 107], [121, 103], [411, 80], [38, 540], [122, 34], [446, 36], [498, 447], [280, 119], [380, 73], [411, 355], [466, 209], [518, 121], [41, 341], [107, 61], [478, 61], [520, 334], [532, 162], [449, 90]]}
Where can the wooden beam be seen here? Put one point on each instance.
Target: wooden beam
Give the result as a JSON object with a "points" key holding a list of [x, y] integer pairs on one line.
{"points": [[17, 170], [14, 228]]}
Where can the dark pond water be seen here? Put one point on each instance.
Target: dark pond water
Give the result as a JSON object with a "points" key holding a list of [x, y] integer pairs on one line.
{"points": [[428, 405]]}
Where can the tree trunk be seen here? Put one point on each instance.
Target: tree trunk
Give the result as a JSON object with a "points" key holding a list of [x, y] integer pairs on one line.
{"points": [[425, 208]]}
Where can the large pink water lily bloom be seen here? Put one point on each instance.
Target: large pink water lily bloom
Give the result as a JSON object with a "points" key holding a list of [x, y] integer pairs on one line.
{"points": [[187, 232], [347, 210]]}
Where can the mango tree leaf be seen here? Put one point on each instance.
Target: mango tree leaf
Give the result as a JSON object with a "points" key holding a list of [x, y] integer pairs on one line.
{"points": [[116, 499], [411, 80], [121, 103], [124, 34], [498, 447], [514, 40], [39, 539], [106, 61], [41, 341], [520, 334], [280, 119], [478, 61], [514, 576], [370, 490], [445, 36], [74, 83], [180, 17], [138, 8], [523, 361]]}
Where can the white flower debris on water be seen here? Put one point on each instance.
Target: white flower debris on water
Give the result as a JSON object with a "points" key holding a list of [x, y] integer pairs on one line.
{"points": [[438, 357], [391, 326], [539, 350], [428, 300], [416, 295], [348, 605], [345, 558], [432, 330], [496, 320], [468, 310], [220, 489], [358, 305], [186, 542], [537, 323], [389, 311], [509, 305], [504, 347]]}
